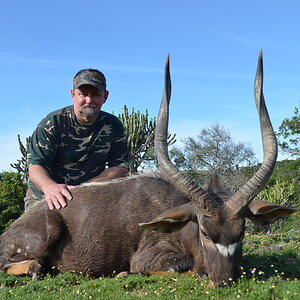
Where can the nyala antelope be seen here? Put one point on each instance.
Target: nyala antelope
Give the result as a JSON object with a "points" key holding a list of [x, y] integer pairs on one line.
{"points": [[102, 230]]}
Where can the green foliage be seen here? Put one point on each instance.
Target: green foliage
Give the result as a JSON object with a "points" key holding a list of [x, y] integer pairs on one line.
{"points": [[140, 129], [140, 135], [21, 164], [12, 193], [174, 286], [285, 179], [283, 188], [281, 193], [279, 250], [287, 170], [289, 134]]}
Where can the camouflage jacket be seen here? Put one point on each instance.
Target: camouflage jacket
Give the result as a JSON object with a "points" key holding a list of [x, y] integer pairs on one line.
{"points": [[73, 152]]}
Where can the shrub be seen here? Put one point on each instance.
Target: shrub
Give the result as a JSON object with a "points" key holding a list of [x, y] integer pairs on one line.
{"points": [[281, 193], [12, 193]]}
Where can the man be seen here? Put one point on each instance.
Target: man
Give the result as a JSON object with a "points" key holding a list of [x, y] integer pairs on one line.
{"points": [[75, 144]]}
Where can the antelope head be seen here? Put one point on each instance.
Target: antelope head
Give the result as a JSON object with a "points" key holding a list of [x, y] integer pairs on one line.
{"points": [[219, 214]]}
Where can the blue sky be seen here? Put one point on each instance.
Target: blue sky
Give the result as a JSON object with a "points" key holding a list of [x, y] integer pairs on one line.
{"points": [[214, 46]]}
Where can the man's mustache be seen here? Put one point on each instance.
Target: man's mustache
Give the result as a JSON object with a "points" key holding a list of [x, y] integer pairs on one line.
{"points": [[89, 105]]}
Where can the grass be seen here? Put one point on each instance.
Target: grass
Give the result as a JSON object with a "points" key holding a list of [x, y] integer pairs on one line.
{"points": [[254, 285], [270, 270]]}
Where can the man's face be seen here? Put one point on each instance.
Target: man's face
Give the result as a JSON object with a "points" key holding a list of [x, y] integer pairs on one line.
{"points": [[88, 101]]}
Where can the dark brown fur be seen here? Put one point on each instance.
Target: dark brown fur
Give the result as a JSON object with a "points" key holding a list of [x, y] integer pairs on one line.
{"points": [[98, 232]]}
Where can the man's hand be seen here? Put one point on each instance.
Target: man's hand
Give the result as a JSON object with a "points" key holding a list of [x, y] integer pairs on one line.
{"points": [[57, 194]]}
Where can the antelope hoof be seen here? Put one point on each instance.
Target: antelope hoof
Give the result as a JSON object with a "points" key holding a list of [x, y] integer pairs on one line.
{"points": [[202, 277], [35, 271], [123, 274]]}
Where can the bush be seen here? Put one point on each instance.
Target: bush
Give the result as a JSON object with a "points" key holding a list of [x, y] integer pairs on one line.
{"points": [[281, 193], [12, 193], [288, 170]]}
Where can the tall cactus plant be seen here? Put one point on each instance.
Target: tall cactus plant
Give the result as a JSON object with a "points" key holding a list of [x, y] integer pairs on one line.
{"points": [[21, 164], [140, 136]]}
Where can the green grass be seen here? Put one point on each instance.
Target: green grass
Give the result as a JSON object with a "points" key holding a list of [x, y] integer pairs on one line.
{"points": [[270, 270], [173, 286]]}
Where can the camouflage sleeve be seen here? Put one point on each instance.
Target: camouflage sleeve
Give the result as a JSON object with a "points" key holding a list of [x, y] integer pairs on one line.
{"points": [[43, 145], [118, 156]]}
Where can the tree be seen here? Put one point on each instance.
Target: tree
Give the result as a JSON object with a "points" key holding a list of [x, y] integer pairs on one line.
{"points": [[140, 130], [214, 151], [289, 134], [12, 193], [21, 164], [287, 171]]}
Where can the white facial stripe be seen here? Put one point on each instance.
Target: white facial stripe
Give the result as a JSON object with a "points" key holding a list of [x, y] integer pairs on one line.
{"points": [[226, 250], [232, 248]]}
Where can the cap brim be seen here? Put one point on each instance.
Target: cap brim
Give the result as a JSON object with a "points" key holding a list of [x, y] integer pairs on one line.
{"points": [[98, 86]]}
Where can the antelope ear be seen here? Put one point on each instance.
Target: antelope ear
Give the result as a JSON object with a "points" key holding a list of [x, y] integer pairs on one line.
{"points": [[173, 219], [264, 213]]}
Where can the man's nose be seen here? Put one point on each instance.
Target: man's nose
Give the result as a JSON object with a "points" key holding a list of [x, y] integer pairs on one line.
{"points": [[89, 98]]}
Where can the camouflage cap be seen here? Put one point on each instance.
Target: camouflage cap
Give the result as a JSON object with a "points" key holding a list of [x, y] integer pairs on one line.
{"points": [[90, 76]]}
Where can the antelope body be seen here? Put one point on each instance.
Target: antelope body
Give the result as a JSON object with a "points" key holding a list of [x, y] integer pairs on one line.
{"points": [[102, 229]]}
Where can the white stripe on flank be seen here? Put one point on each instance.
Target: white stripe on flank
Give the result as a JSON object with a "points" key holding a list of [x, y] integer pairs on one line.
{"points": [[226, 250]]}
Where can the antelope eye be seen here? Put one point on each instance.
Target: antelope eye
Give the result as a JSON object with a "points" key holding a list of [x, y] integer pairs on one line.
{"points": [[205, 234]]}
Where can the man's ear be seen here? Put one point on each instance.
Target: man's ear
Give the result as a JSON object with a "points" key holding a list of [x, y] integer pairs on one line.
{"points": [[263, 213], [173, 219], [72, 94], [106, 95]]}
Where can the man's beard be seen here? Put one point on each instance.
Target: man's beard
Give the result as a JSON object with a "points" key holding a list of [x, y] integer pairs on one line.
{"points": [[89, 111]]}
